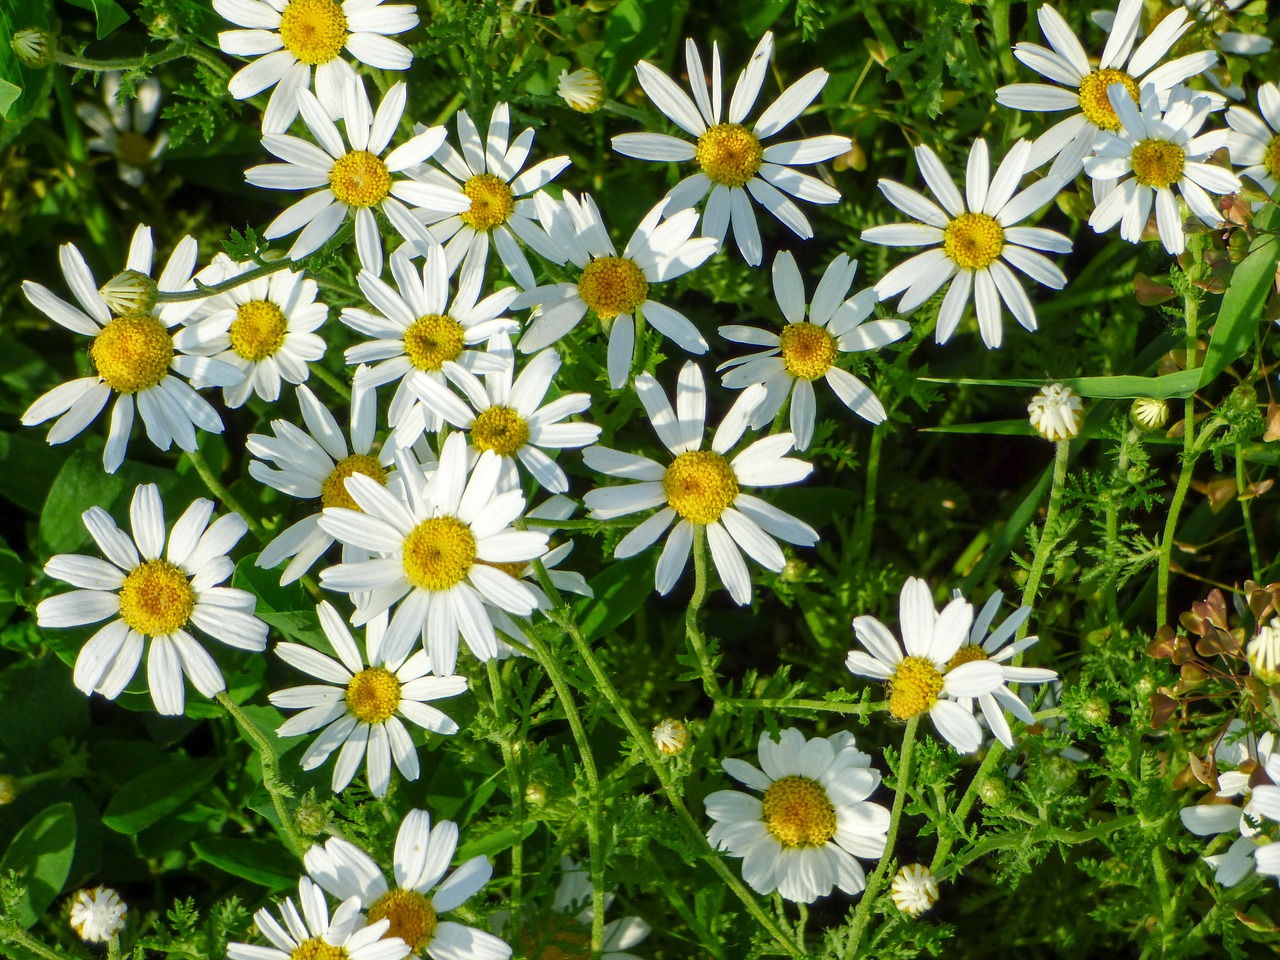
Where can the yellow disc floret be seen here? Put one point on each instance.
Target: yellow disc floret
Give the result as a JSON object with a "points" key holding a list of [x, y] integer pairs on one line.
{"points": [[359, 179], [798, 812], [700, 485], [1157, 163], [1271, 158], [433, 339], [314, 31], [438, 553], [914, 687], [317, 949], [501, 430], [258, 330], [412, 917], [973, 241], [967, 654], [373, 694], [132, 353], [156, 598], [612, 285], [333, 492], [808, 351], [492, 202], [1094, 102], [730, 154]]}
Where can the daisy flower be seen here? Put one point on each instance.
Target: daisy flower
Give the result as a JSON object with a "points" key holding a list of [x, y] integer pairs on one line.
{"points": [[615, 288], [291, 36], [1154, 151], [510, 418], [125, 131], [731, 157], [670, 736], [802, 837], [807, 349], [1215, 16], [418, 334], [362, 703], [97, 915], [356, 179], [1078, 86], [132, 353], [914, 889], [1056, 412], [979, 241], [311, 934], [150, 596], [582, 90], [923, 680], [1254, 142], [421, 859], [438, 554], [702, 488], [264, 328], [484, 196]]}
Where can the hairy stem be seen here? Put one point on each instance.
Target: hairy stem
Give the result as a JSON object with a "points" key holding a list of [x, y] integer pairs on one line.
{"points": [[1191, 308], [271, 778], [516, 789], [222, 493], [1049, 536], [691, 628]]}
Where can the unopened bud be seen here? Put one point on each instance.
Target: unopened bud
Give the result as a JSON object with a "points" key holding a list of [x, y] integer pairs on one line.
{"points": [[9, 789], [993, 791], [130, 293], [914, 889], [1056, 412], [671, 736], [97, 915], [34, 47], [1148, 413], [583, 89], [312, 817]]}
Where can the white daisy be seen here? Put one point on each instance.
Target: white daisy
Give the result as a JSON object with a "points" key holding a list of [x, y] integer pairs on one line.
{"points": [[125, 130], [421, 859], [437, 553], [976, 241], [702, 487], [311, 934], [510, 418], [802, 836], [362, 702], [670, 736], [1154, 151], [807, 349], [730, 156], [614, 288], [291, 36], [154, 597], [1248, 756], [1056, 412], [921, 681], [358, 179], [486, 196], [418, 334], [582, 90], [97, 915], [1212, 15], [1083, 88], [914, 889], [1254, 142], [133, 354]]}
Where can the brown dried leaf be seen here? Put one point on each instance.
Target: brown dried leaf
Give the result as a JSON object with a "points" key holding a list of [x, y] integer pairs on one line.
{"points": [[1221, 492], [1193, 673], [1206, 773], [1162, 708], [1149, 292], [1182, 652]]}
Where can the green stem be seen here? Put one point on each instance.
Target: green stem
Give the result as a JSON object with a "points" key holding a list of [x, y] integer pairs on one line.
{"points": [[206, 290], [867, 525], [1191, 312], [1120, 482], [1242, 484], [1045, 831], [787, 703], [516, 788], [947, 840], [222, 493], [113, 947], [173, 51], [1049, 535], [694, 632], [20, 938], [1000, 37], [342, 388]]}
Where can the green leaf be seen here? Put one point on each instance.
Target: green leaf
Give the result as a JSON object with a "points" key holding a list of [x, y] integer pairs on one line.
{"points": [[28, 467], [1170, 386], [995, 428], [265, 864], [108, 13], [619, 591], [148, 797], [42, 853], [9, 94], [496, 842], [285, 608]]}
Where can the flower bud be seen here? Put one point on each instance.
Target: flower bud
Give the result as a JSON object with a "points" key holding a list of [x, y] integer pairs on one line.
{"points": [[914, 889], [9, 789], [130, 294], [993, 791], [312, 817], [1096, 711], [1056, 412], [34, 47], [97, 915], [1148, 413], [583, 89], [671, 736]]}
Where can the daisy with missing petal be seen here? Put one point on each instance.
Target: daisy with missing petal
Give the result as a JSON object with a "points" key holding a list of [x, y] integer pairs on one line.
{"points": [[437, 554], [486, 196], [311, 934], [420, 862], [615, 288], [1154, 151], [154, 596], [976, 240], [1254, 142], [732, 157], [355, 179], [802, 837], [702, 489], [922, 681], [363, 703], [124, 130], [1078, 86], [291, 36], [807, 349], [132, 353]]}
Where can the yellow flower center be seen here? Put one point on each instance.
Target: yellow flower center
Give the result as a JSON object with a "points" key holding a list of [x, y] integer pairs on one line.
{"points": [[258, 330], [515, 569], [359, 179], [313, 30], [973, 241], [1094, 102], [914, 687], [133, 148], [1157, 163], [432, 340], [700, 485], [438, 553], [132, 353], [373, 694], [333, 492], [317, 949], [612, 285], [798, 812], [1271, 157], [156, 598], [729, 153], [412, 917], [501, 430], [967, 654], [808, 351], [492, 202]]}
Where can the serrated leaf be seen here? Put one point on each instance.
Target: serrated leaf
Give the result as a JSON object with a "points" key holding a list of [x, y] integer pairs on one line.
{"points": [[42, 853], [148, 797]]}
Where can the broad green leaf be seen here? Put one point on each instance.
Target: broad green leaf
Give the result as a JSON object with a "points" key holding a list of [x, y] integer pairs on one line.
{"points": [[619, 591], [757, 16], [28, 467], [81, 484], [148, 797], [42, 853], [634, 30], [38, 704], [108, 13], [288, 609], [265, 864], [1170, 386], [496, 842]]}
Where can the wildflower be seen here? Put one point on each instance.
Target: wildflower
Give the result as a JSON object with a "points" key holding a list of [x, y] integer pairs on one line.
{"points": [[1056, 412], [126, 131], [1149, 413], [583, 90], [35, 48], [97, 915], [1263, 653], [914, 889], [671, 736], [1254, 142]]}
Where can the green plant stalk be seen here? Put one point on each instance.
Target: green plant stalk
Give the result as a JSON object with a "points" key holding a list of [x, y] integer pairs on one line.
{"points": [[868, 521], [205, 290], [113, 947], [1045, 831], [516, 788], [1113, 515], [20, 938], [1191, 308], [691, 628], [1000, 37], [946, 841], [174, 51], [222, 493], [1049, 537], [786, 703], [338, 386], [1255, 563]]}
